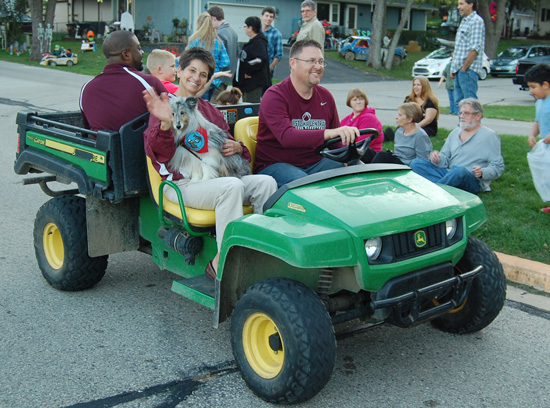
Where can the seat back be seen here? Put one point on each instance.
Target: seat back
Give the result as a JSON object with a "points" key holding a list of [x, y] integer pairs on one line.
{"points": [[246, 130]]}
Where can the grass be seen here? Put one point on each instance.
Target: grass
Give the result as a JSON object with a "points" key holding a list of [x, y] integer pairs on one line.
{"points": [[515, 225]]}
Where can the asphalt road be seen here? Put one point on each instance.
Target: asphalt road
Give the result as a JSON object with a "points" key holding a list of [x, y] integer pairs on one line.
{"points": [[131, 342]]}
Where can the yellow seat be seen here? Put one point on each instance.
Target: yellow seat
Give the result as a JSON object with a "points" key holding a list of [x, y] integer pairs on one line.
{"points": [[195, 217], [246, 130]]}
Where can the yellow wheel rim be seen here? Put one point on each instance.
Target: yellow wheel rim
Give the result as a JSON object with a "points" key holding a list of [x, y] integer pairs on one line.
{"points": [[458, 309], [265, 361], [53, 246]]}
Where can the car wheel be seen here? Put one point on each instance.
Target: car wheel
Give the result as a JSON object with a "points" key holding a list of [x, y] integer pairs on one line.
{"points": [[487, 294], [69, 63], [396, 60], [61, 245], [283, 341], [53, 64], [483, 75], [350, 56]]}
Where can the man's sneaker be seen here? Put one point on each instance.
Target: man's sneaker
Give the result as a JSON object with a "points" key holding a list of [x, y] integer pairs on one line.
{"points": [[546, 210]]}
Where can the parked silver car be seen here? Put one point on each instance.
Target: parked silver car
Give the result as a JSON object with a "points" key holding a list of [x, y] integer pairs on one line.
{"points": [[506, 61], [433, 64]]}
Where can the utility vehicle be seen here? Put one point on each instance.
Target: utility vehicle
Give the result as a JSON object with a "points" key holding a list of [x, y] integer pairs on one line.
{"points": [[365, 243]]}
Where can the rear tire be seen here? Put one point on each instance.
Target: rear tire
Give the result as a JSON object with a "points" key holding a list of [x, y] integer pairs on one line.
{"points": [[486, 297], [69, 63], [283, 341], [61, 245], [483, 75], [396, 60]]}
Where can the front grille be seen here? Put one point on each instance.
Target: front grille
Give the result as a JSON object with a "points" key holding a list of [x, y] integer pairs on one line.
{"points": [[405, 244], [421, 71]]}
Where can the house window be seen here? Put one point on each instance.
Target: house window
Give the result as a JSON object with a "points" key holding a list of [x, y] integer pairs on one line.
{"points": [[545, 15], [329, 12]]}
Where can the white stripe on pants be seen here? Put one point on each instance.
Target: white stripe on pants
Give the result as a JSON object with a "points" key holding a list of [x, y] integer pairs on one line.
{"points": [[226, 196]]}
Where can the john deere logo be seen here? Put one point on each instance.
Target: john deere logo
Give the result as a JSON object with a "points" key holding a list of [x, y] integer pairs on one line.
{"points": [[420, 239]]}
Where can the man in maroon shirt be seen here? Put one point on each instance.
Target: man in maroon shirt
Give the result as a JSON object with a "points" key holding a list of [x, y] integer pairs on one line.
{"points": [[114, 97], [296, 116]]}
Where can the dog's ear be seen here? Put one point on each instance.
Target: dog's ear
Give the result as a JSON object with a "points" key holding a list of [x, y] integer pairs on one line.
{"points": [[192, 102]]}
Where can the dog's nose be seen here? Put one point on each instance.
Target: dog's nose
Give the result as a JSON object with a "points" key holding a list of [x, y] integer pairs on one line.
{"points": [[178, 127]]}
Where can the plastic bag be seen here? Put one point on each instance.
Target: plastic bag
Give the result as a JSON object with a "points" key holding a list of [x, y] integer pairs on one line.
{"points": [[539, 163]]}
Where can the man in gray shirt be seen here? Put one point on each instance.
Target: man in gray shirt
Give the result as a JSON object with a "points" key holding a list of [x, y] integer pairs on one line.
{"points": [[470, 158], [231, 42]]}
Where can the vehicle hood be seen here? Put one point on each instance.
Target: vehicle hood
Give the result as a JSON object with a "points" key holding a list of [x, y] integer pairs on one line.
{"points": [[374, 203]]}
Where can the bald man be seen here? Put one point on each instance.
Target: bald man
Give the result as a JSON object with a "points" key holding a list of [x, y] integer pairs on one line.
{"points": [[114, 97]]}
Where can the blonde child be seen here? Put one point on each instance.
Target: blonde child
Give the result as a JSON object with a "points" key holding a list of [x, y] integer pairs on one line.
{"points": [[162, 64]]}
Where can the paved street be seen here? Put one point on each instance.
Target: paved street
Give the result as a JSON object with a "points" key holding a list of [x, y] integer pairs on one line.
{"points": [[131, 342]]}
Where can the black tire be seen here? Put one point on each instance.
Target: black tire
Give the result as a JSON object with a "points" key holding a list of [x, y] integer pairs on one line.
{"points": [[53, 64], [486, 297], [70, 63], [349, 56], [61, 245], [396, 60], [283, 315]]}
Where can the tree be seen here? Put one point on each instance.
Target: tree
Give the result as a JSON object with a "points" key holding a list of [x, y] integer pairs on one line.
{"points": [[11, 11], [405, 13], [42, 12], [376, 35], [493, 29]]}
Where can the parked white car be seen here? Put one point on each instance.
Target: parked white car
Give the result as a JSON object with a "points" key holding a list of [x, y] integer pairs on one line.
{"points": [[433, 64]]}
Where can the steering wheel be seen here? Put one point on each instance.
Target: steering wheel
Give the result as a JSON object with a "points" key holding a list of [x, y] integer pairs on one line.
{"points": [[346, 154]]}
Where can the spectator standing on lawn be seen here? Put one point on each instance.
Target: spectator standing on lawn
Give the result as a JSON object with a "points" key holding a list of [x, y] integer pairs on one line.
{"points": [[230, 41], [311, 28], [205, 37], [470, 158], [450, 86], [468, 54], [538, 80], [274, 38]]}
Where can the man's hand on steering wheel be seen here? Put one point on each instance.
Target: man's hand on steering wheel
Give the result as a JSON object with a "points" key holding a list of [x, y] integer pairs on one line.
{"points": [[352, 152], [346, 133]]}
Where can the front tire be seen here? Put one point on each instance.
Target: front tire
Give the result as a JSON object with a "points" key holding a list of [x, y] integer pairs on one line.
{"points": [[61, 245], [486, 297], [350, 56], [283, 341]]}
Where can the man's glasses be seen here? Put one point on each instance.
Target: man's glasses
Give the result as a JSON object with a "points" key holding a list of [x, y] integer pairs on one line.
{"points": [[467, 113], [312, 62]]}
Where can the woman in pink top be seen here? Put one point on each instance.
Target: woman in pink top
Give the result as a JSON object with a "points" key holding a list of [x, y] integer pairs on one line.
{"points": [[363, 117]]}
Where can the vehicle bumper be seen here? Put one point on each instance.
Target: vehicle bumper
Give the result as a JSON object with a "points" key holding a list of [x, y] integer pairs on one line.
{"points": [[412, 306]]}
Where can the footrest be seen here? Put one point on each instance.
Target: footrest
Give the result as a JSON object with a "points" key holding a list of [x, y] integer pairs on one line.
{"points": [[200, 289]]}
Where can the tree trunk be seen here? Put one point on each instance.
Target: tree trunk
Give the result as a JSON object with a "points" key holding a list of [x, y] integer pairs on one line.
{"points": [[376, 35], [493, 30], [405, 13], [37, 13]]}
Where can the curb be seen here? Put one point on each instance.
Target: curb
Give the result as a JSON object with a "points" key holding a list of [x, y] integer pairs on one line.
{"points": [[526, 272]]}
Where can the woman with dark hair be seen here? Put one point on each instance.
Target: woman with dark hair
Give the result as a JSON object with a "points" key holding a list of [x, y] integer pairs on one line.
{"points": [[252, 76]]}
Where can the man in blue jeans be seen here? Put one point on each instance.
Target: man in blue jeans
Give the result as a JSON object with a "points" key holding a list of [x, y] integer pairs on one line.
{"points": [[470, 158], [467, 62]]}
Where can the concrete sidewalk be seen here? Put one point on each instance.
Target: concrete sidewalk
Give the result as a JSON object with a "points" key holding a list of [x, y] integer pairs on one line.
{"points": [[526, 272]]}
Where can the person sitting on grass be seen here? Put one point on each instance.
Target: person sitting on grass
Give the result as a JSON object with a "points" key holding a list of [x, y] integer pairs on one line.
{"points": [[411, 141], [162, 64], [538, 80], [470, 158]]}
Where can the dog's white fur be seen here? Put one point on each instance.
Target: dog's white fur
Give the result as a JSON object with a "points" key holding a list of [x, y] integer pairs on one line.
{"points": [[212, 164]]}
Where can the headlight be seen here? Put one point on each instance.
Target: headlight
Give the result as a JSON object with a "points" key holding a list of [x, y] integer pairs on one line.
{"points": [[450, 228], [373, 247]]}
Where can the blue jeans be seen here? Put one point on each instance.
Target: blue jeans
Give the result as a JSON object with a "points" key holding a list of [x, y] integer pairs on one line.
{"points": [[285, 173], [465, 85], [452, 103], [456, 176]]}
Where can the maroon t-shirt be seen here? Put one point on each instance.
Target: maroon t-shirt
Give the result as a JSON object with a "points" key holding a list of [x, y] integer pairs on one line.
{"points": [[291, 127], [115, 97]]}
